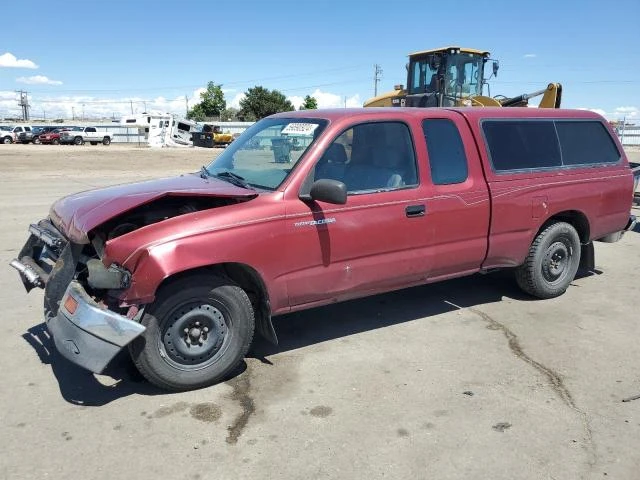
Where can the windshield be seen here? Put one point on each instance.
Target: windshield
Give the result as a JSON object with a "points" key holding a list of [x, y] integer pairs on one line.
{"points": [[265, 154], [75, 129], [2, 127], [463, 77]]}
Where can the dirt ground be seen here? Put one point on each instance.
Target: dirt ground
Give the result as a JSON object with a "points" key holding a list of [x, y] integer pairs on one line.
{"points": [[463, 379]]}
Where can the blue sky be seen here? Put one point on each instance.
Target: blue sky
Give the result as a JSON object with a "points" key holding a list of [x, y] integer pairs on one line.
{"points": [[104, 54]]}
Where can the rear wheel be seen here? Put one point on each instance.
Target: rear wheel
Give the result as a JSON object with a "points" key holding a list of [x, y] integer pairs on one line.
{"points": [[106, 141], [55, 141], [36, 141], [6, 140], [552, 262], [197, 332], [78, 141]]}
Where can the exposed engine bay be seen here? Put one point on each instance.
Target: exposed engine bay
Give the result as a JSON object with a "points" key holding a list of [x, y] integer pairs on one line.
{"points": [[157, 211]]}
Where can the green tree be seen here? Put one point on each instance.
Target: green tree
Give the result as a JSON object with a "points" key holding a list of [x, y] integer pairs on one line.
{"points": [[212, 103], [230, 114], [310, 103], [260, 102]]}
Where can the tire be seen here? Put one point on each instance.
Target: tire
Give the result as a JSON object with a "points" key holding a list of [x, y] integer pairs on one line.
{"points": [[106, 141], [36, 141], [55, 141], [6, 140], [94, 143], [552, 262], [78, 141], [171, 358]]}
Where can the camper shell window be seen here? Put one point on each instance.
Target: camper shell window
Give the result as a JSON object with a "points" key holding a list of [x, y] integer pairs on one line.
{"points": [[184, 126], [516, 145]]}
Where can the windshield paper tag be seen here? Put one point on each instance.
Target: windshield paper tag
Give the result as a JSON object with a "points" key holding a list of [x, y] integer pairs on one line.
{"points": [[305, 129]]}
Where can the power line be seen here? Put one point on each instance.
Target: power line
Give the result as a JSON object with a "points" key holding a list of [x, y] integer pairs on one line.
{"points": [[200, 85]]}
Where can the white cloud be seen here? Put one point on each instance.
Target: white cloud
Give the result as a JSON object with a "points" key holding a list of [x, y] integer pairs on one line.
{"points": [[235, 101], [330, 100], [618, 113], [69, 106], [530, 55], [38, 80], [9, 60]]}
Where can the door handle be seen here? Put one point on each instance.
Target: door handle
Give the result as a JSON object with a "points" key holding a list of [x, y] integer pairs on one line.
{"points": [[415, 210]]}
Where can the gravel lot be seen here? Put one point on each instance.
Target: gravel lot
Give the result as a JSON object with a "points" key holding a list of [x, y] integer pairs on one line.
{"points": [[463, 379]]}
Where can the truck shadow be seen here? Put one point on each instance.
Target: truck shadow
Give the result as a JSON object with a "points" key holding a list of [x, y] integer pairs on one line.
{"points": [[295, 330], [79, 386], [320, 324]]}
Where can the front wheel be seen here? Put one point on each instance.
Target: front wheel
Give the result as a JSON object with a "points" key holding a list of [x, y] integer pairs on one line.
{"points": [[55, 141], [36, 141], [106, 141], [197, 332], [7, 140], [78, 141], [552, 262]]}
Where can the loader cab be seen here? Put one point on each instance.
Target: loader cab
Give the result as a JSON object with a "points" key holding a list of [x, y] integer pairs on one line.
{"points": [[444, 77]]}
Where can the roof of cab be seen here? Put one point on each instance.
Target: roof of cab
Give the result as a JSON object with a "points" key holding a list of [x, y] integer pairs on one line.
{"points": [[471, 113], [461, 49]]}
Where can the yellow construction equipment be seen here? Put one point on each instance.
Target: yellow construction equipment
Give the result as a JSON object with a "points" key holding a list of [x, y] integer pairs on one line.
{"points": [[454, 76], [219, 138]]}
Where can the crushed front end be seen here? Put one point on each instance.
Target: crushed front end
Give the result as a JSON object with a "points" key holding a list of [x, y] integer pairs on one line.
{"points": [[88, 325]]}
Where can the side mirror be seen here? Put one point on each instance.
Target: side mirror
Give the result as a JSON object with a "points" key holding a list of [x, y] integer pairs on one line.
{"points": [[328, 190]]}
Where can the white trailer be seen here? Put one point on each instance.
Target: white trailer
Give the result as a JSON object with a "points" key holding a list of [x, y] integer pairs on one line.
{"points": [[162, 129]]}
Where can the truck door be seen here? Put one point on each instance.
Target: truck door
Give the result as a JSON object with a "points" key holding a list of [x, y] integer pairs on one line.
{"points": [[458, 209], [373, 242], [90, 134]]}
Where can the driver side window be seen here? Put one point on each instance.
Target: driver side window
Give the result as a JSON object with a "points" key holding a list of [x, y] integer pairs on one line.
{"points": [[371, 157]]}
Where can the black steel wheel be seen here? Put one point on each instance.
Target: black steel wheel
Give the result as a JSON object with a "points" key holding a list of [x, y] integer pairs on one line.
{"points": [[197, 331], [552, 262], [106, 141]]}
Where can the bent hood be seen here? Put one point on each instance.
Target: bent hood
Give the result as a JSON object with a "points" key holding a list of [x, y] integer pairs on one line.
{"points": [[76, 215]]}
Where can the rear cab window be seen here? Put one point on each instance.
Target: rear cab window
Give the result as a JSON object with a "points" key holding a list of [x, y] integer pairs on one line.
{"points": [[547, 144], [447, 159]]}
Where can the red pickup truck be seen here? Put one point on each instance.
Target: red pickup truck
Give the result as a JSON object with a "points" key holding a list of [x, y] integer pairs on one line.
{"points": [[183, 270]]}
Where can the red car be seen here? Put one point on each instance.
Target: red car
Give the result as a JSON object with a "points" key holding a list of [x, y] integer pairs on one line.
{"points": [[183, 270], [53, 137]]}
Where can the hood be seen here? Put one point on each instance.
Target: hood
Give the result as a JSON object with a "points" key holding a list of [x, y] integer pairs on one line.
{"points": [[76, 215]]}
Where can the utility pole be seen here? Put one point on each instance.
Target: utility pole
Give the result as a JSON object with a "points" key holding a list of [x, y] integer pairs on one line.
{"points": [[83, 112], [24, 104], [131, 101], [73, 112], [186, 100], [377, 75]]}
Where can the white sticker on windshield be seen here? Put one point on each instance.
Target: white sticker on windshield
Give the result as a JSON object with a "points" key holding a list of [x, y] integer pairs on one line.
{"points": [[305, 129]]}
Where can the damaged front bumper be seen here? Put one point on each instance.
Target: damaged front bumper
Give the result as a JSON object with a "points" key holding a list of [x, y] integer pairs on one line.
{"points": [[85, 332]]}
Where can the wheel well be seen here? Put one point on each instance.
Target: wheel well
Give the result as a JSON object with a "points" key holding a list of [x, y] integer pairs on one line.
{"points": [[577, 219], [250, 281]]}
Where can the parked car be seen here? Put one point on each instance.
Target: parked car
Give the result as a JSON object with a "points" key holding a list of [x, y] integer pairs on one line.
{"points": [[6, 134], [80, 135], [33, 136], [53, 137], [12, 135], [183, 270]]}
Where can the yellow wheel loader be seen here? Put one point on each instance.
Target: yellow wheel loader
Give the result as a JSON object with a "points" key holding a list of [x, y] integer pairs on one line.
{"points": [[455, 76]]}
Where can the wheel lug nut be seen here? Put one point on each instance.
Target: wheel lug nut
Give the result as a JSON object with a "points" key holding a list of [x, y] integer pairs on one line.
{"points": [[197, 324], [186, 330], [206, 329]]}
